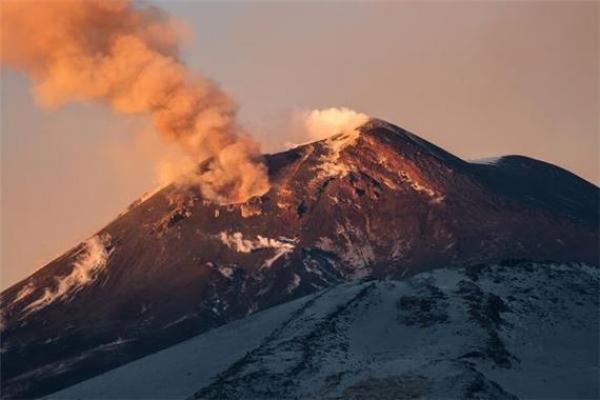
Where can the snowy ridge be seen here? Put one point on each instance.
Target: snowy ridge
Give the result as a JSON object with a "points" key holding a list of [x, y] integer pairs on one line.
{"points": [[487, 331], [86, 269]]}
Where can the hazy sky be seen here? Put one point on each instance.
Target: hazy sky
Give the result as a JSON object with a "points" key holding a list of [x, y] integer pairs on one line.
{"points": [[478, 78]]}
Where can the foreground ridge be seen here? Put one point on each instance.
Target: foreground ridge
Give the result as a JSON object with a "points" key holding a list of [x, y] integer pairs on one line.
{"points": [[486, 331]]}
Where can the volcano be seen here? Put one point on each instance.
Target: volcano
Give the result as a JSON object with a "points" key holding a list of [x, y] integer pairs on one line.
{"points": [[376, 203]]}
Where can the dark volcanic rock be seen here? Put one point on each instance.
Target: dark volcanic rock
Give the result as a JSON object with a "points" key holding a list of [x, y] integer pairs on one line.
{"points": [[383, 204]]}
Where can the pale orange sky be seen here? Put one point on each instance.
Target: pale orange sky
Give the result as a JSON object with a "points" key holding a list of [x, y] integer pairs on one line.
{"points": [[477, 78]]}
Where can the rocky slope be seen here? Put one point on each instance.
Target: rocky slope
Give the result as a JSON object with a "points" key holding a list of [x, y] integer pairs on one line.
{"points": [[508, 331], [378, 202]]}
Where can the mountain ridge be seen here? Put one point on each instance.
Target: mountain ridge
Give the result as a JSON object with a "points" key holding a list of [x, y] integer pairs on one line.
{"points": [[379, 202]]}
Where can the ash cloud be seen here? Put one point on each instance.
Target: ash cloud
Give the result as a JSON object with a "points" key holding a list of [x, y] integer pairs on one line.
{"points": [[126, 56]]}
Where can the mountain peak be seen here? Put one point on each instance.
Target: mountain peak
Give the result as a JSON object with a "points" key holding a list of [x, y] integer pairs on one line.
{"points": [[376, 141], [374, 153], [374, 202]]}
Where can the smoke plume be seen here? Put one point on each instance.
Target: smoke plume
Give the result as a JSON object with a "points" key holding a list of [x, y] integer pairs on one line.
{"points": [[126, 56], [320, 124]]}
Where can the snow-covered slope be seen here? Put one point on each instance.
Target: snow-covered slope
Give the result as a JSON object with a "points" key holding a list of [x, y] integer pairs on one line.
{"points": [[503, 331]]}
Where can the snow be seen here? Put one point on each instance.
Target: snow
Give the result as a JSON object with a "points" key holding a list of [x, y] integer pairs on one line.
{"points": [[357, 251], [425, 327], [190, 364], [499, 332], [178, 320], [487, 160], [86, 269], [420, 187], [294, 284], [237, 242]]}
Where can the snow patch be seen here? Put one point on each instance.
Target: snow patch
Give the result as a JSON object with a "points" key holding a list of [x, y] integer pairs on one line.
{"points": [[592, 271], [417, 186], [90, 262], [52, 340], [356, 252], [294, 284], [420, 188], [487, 161], [177, 321], [237, 242]]}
